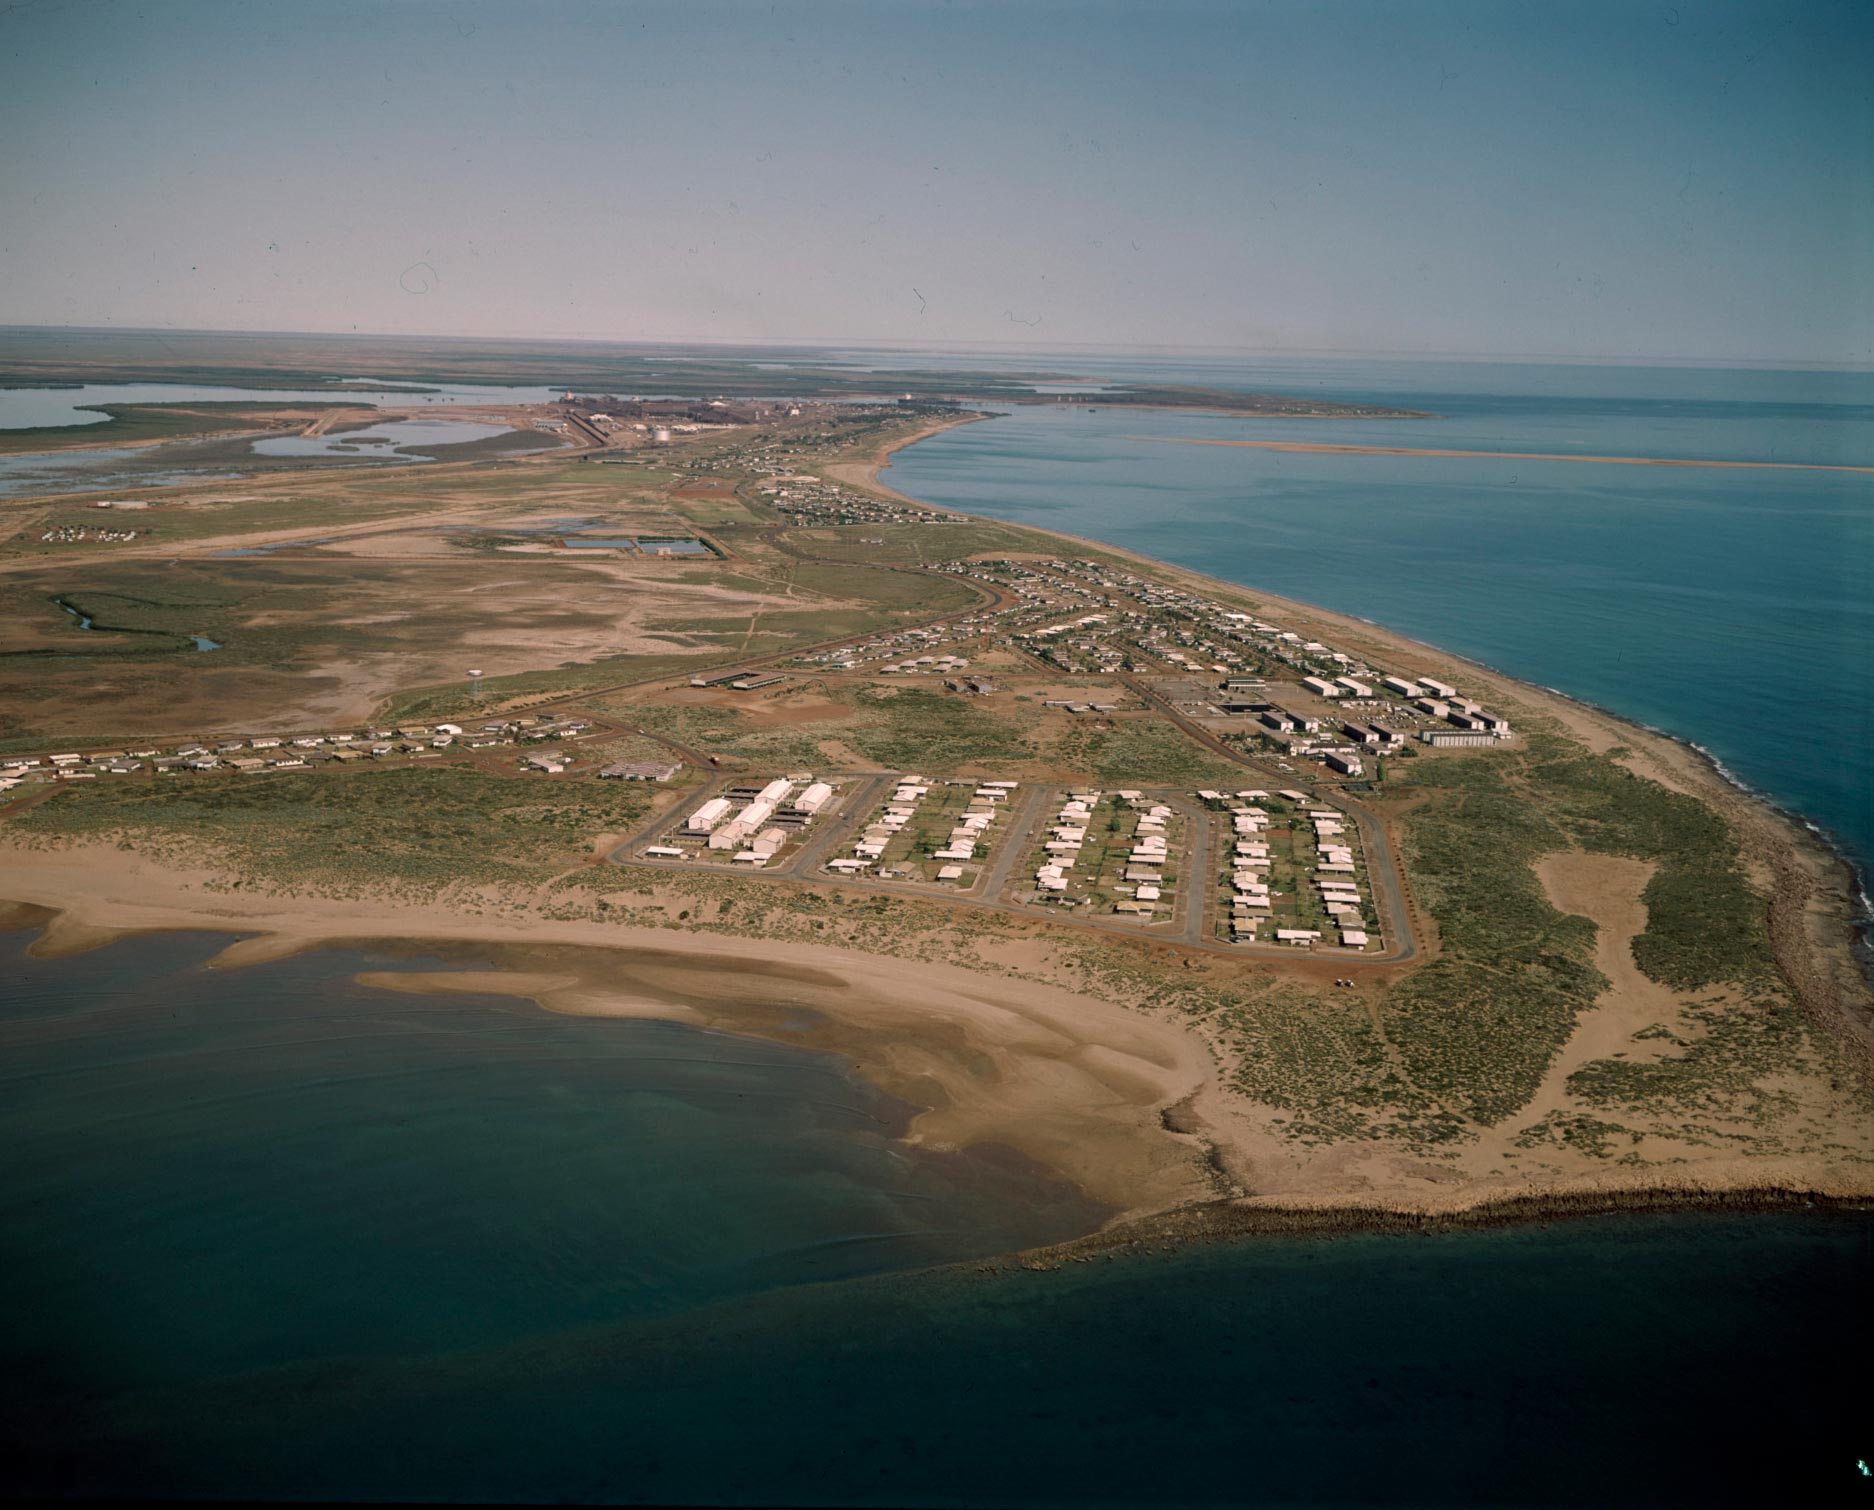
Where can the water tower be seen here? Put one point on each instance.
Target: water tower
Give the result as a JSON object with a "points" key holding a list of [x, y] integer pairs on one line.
{"points": [[475, 682]]}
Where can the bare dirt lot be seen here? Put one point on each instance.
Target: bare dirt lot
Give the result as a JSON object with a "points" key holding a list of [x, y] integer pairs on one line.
{"points": [[312, 640]]}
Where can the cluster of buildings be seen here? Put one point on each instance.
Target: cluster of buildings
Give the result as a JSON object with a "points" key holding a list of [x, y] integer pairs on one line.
{"points": [[72, 534], [1332, 895], [926, 665], [1040, 601], [1139, 887], [1075, 647], [909, 650], [954, 850], [801, 499], [739, 681], [750, 824], [285, 752], [1122, 622], [1427, 696]]}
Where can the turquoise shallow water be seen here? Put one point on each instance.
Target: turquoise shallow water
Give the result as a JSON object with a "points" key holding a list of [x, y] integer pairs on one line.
{"points": [[1734, 608]]}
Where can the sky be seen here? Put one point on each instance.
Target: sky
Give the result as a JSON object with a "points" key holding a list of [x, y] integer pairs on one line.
{"points": [[1629, 180]]}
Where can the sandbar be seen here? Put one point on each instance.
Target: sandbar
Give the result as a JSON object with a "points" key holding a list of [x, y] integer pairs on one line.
{"points": [[1319, 449]]}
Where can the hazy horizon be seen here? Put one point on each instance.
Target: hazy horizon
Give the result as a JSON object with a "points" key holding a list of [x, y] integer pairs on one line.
{"points": [[1593, 183], [1036, 350]]}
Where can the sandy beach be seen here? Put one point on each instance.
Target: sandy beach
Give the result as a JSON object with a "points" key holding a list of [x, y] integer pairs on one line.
{"points": [[1125, 1102], [1071, 1081]]}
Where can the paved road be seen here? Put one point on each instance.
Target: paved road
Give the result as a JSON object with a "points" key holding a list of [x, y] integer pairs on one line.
{"points": [[1016, 842], [1199, 879]]}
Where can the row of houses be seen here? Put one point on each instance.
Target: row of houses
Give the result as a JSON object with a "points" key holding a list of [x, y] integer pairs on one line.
{"points": [[1061, 849], [1336, 877], [73, 534], [1251, 901], [264, 752], [1144, 871], [964, 843]]}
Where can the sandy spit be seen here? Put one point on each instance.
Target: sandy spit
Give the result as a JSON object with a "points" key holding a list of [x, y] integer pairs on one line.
{"points": [[1617, 461]]}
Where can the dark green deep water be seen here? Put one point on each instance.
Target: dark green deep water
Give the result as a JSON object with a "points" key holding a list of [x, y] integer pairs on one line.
{"points": [[268, 1233]]}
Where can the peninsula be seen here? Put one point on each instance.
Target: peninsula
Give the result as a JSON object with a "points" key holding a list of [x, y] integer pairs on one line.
{"points": [[1214, 902]]}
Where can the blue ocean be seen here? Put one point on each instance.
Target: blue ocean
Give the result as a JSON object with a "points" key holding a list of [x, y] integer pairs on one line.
{"points": [[1731, 607], [272, 1233]]}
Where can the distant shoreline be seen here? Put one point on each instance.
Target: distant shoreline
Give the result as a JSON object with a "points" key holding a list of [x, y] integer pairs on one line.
{"points": [[1317, 448]]}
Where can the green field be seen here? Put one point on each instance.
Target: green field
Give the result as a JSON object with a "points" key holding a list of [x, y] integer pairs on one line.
{"points": [[909, 729]]}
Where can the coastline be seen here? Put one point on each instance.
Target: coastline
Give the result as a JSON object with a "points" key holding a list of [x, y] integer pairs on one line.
{"points": [[1071, 1081], [1241, 1221], [1848, 914], [1157, 1146], [1092, 1091]]}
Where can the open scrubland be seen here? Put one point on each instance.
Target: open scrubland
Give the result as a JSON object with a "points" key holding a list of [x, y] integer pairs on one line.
{"points": [[69, 355], [1601, 969]]}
